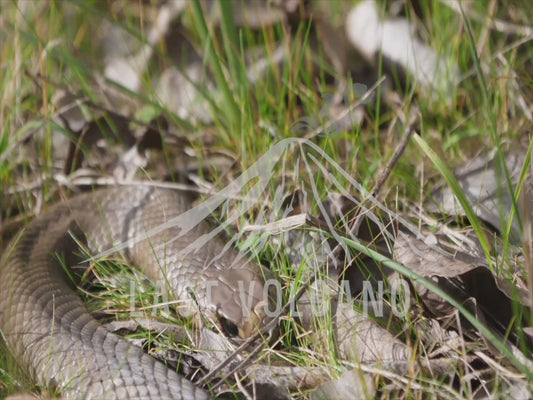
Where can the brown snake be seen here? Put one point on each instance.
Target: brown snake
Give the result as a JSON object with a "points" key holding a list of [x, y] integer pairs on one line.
{"points": [[47, 326]]}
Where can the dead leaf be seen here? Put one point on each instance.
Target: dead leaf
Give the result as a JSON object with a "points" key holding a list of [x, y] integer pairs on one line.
{"points": [[350, 385], [257, 15], [290, 377], [483, 182], [179, 92], [362, 340], [127, 70], [112, 127], [465, 278], [395, 40], [69, 109]]}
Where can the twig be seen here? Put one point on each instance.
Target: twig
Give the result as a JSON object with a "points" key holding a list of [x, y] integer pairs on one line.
{"points": [[400, 149], [322, 129], [269, 327], [241, 365], [243, 389], [497, 24]]}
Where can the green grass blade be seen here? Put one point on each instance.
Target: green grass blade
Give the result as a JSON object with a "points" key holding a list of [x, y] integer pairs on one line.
{"points": [[213, 59], [414, 277], [459, 194]]}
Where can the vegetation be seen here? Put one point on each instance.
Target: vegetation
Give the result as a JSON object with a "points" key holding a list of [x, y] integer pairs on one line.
{"points": [[53, 47]]}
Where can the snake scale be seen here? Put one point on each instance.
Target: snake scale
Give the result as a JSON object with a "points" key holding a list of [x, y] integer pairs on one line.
{"points": [[47, 326]]}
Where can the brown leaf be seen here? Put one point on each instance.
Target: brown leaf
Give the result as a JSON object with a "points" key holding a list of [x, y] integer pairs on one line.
{"points": [[395, 40], [112, 127], [465, 278], [350, 385]]}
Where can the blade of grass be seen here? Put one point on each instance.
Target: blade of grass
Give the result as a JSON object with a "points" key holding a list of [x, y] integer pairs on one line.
{"points": [[229, 37], [491, 118], [406, 272], [517, 195], [213, 59], [459, 194]]}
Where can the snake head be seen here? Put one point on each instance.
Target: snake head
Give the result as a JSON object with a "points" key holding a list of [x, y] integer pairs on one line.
{"points": [[240, 301]]}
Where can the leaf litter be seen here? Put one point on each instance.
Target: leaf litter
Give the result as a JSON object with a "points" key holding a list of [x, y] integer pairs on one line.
{"points": [[375, 352]]}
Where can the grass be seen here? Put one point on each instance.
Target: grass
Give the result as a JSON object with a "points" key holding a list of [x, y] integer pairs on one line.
{"points": [[58, 46]]}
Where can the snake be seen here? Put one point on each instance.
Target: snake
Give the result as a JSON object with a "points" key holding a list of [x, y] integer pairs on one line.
{"points": [[46, 324]]}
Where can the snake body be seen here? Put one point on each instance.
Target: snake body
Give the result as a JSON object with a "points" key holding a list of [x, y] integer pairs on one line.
{"points": [[47, 326]]}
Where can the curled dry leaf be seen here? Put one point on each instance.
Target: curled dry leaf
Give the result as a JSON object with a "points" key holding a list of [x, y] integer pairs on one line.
{"points": [[466, 278], [394, 39], [93, 133], [127, 70], [98, 135]]}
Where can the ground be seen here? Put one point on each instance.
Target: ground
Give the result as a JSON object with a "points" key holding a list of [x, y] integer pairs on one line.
{"points": [[312, 118]]}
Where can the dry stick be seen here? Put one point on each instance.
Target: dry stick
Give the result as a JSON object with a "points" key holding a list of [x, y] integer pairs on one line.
{"points": [[259, 335], [393, 161], [400, 149], [243, 389], [87, 101], [494, 23], [239, 366], [322, 129]]}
